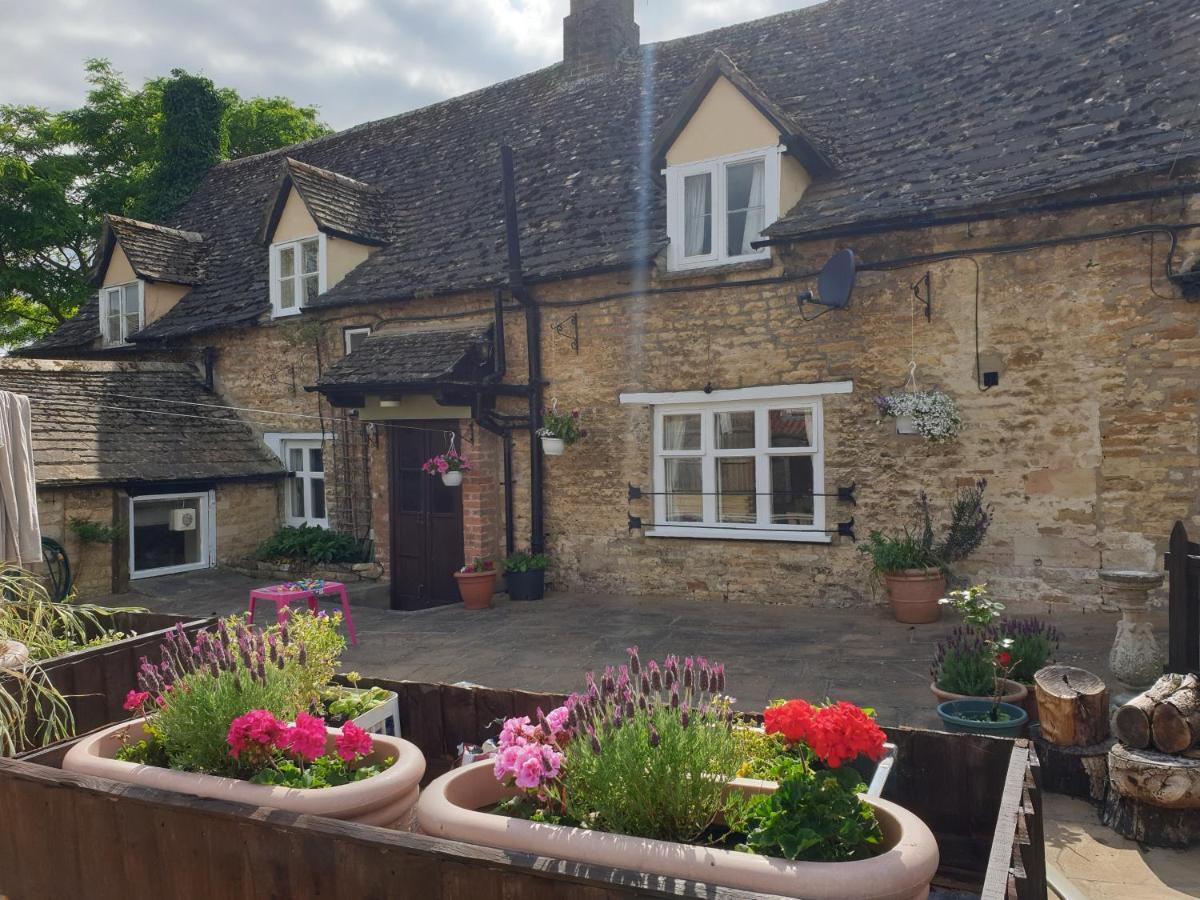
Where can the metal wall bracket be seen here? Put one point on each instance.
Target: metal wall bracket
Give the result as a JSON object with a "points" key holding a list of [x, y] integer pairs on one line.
{"points": [[635, 522], [846, 529], [635, 492], [569, 328], [846, 494], [926, 299]]}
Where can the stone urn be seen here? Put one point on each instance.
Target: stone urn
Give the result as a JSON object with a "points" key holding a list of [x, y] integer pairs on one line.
{"points": [[387, 799], [1136, 658], [457, 806]]}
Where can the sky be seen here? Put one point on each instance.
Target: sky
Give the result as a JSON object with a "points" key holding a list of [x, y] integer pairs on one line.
{"points": [[356, 60]]}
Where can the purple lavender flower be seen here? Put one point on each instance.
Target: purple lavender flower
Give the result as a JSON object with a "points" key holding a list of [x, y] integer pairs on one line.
{"points": [[635, 662], [655, 739]]}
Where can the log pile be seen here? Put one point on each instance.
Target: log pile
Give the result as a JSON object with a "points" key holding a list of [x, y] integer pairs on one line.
{"points": [[1165, 718]]}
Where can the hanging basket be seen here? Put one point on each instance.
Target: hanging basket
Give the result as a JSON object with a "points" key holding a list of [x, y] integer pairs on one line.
{"points": [[906, 425], [452, 479], [932, 414], [553, 446]]}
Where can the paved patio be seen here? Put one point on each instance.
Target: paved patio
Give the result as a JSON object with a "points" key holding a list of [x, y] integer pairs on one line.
{"points": [[771, 651]]}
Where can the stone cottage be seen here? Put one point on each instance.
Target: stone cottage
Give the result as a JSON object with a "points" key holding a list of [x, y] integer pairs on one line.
{"points": [[1017, 181]]}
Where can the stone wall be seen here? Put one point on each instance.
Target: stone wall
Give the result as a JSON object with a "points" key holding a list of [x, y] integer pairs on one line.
{"points": [[247, 514], [91, 563], [1089, 442]]}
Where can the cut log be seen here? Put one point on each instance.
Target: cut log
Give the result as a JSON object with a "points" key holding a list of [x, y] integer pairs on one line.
{"points": [[1153, 798], [1175, 724], [1080, 772], [1072, 706], [1132, 722]]}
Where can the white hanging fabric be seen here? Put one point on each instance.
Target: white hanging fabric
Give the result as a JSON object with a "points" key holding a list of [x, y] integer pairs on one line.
{"points": [[756, 210], [20, 532], [697, 207]]}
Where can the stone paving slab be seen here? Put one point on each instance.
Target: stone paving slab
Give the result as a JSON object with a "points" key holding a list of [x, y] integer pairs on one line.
{"points": [[857, 654]]}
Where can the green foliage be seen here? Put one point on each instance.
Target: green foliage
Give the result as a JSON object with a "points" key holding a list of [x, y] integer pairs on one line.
{"points": [[310, 544], [895, 553], [526, 562], [974, 606], [813, 816], [969, 522], [964, 664], [564, 426], [344, 703], [671, 789], [1033, 645], [61, 171], [28, 614], [90, 532], [325, 771]]}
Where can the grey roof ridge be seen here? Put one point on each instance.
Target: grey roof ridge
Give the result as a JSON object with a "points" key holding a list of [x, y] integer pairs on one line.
{"points": [[317, 170], [192, 236], [49, 364]]}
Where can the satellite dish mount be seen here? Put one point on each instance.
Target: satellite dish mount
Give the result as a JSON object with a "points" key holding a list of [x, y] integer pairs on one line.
{"points": [[835, 284]]}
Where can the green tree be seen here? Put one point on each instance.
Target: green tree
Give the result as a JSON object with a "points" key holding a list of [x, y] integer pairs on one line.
{"points": [[138, 152]]}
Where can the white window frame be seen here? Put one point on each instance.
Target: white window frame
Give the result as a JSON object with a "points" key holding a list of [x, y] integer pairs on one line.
{"points": [[206, 527], [759, 400], [715, 168], [353, 330], [277, 311], [304, 443], [121, 340]]}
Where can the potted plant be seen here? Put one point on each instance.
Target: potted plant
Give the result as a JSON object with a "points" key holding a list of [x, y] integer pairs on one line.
{"points": [[914, 565], [1033, 645], [449, 465], [373, 709], [477, 583], [525, 575], [639, 772], [932, 414], [559, 430], [979, 660], [225, 717]]}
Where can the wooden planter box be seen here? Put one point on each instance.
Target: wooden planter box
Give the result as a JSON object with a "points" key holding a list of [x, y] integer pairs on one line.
{"points": [[95, 680], [977, 794]]}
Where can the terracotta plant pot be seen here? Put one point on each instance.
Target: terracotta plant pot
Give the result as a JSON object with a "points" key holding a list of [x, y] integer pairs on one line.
{"points": [[553, 446], [451, 807], [1029, 704], [914, 595], [476, 588], [452, 479], [386, 799], [13, 654], [1014, 692]]}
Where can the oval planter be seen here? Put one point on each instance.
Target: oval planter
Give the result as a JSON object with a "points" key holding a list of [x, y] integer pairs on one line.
{"points": [[1014, 692], [526, 585], [451, 807], [452, 479], [553, 446], [914, 595], [952, 720], [476, 588], [386, 799], [13, 654]]}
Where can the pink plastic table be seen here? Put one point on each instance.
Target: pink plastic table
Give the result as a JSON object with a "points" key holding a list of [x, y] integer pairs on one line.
{"points": [[283, 594]]}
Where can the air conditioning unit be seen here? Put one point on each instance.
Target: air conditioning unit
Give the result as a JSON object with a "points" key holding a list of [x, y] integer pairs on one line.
{"points": [[183, 520]]}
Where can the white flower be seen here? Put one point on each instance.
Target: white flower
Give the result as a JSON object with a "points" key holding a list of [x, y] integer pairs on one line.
{"points": [[934, 414]]}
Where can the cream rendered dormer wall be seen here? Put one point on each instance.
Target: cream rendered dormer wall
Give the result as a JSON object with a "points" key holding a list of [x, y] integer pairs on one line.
{"points": [[340, 255], [726, 123], [159, 296]]}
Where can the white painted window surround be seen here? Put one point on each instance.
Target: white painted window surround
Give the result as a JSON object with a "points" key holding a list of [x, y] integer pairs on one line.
{"points": [[158, 547], [354, 336], [122, 312], [298, 273], [742, 464], [714, 208], [302, 454]]}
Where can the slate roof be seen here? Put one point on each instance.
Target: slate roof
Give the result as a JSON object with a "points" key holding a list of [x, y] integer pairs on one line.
{"points": [[341, 206], [155, 252], [412, 359], [923, 106], [90, 427]]}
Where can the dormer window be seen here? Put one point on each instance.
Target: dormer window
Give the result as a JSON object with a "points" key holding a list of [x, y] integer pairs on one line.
{"points": [[297, 274], [122, 311], [718, 207]]}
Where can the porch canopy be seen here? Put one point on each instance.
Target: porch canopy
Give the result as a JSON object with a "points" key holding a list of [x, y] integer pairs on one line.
{"points": [[414, 375]]}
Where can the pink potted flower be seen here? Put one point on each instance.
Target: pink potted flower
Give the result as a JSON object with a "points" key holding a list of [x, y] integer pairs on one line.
{"points": [[449, 465]]}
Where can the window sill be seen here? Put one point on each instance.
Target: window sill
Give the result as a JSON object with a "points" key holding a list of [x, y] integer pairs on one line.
{"points": [[712, 533], [285, 313], [715, 267]]}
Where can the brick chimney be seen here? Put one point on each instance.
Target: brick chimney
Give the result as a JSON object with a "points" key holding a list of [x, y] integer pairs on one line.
{"points": [[597, 32]]}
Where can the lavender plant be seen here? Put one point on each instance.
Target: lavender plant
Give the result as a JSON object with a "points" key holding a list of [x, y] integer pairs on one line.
{"points": [[963, 663], [1033, 645], [654, 746]]}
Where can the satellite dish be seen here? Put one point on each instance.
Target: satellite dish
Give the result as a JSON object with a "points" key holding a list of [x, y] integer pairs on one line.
{"points": [[835, 283]]}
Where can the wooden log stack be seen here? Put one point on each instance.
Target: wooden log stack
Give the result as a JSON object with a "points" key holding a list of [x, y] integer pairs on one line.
{"points": [[1072, 740], [1165, 718]]}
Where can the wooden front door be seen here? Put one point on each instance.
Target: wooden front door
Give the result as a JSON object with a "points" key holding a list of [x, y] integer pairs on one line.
{"points": [[426, 522]]}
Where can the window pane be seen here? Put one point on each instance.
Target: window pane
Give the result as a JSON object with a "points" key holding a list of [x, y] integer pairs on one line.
{"points": [[745, 204], [735, 490], [161, 540], [132, 324], [790, 427], [735, 430], [295, 459], [681, 432], [697, 215], [287, 293], [683, 486], [318, 498], [114, 327], [312, 285], [792, 490], [309, 256], [287, 262], [355, 338], [131, 299], [316, 460], [298, 498]]}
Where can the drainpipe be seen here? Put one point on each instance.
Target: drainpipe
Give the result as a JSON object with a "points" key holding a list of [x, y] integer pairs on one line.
{"points": [[516, 283], [208, 356], [500, 363]]}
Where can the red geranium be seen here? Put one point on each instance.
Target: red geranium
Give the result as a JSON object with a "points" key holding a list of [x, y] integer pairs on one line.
{"points": [[836, 733], [792, 719]]}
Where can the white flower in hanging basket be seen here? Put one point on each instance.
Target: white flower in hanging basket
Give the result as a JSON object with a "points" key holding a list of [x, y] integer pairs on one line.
{"points": [[931, 414]]}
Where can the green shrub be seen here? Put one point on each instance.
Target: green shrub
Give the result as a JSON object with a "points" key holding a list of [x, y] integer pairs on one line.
{"points": [[90, 532], [310, 544], [526, 562], [964, 664], [1033, 645], [895, 553]]}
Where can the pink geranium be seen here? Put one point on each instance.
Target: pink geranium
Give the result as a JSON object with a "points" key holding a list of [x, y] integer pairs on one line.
{"points": [[135, 699], [306, 737], [353, 742], [257, 732]]}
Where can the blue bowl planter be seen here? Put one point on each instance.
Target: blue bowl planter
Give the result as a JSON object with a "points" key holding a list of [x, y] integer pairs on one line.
{"points": [[952, 714]]}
